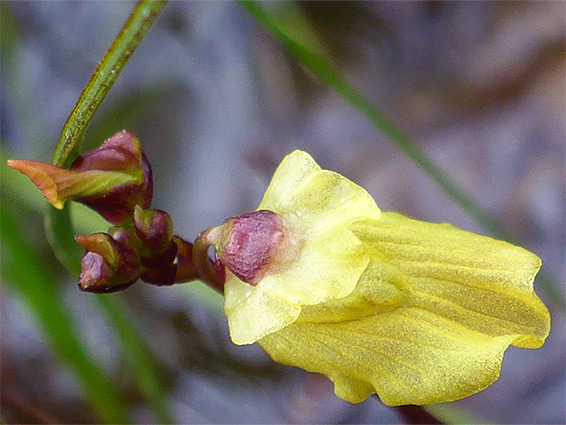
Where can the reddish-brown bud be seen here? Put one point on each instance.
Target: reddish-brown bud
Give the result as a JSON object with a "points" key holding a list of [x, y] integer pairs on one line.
{"points": [[122, 152], [111, 179], [154, 228], [107, 265], [251, 244], [126, 235], [160, 269]]}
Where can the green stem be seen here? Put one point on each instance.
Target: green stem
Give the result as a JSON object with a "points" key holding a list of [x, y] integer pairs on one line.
{"points": [[138, 24], [320, 67]]}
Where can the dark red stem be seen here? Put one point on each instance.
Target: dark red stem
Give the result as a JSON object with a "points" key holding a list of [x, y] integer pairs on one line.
{"points": [[416, 415]]}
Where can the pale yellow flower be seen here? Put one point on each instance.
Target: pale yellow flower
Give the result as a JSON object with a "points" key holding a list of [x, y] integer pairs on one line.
{"points": [[418, 313]]}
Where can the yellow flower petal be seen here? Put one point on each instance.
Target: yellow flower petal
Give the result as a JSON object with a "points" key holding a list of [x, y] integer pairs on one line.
{"points": [[327, 267], [407, 356], [480, 282], [419, 313], [253, 312], [429, 320], [311, 199], [316, 207], [288, 176]]}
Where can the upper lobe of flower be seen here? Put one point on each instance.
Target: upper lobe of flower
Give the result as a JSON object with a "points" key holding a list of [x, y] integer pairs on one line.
{"points": [[316, 206]]}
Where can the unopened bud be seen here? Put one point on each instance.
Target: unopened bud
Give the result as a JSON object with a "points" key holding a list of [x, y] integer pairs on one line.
{"points": [[126, 235], [111, 179], [154, 228], [108, 265], [160, 269]]}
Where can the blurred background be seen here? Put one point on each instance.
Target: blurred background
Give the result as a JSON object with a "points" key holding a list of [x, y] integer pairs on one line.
{"points": [[217, 103]]}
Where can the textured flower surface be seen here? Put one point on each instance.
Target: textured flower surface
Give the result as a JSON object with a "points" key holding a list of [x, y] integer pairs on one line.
{"points": [[418, 313]]}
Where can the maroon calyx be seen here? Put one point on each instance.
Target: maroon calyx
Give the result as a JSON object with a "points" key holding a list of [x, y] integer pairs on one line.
{"points": [[107, 265], [253, 241], [121, 152]]}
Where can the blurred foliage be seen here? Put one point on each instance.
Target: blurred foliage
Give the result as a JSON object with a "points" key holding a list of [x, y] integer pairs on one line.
{"points": [[28, 274]]}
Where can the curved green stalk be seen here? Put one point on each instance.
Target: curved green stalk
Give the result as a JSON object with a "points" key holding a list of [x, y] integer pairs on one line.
{"points": [[136, 27], [321, 68]]}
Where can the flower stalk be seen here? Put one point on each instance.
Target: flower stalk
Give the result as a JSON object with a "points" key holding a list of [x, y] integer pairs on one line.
{"points": [[124, 45], [211, 272]]}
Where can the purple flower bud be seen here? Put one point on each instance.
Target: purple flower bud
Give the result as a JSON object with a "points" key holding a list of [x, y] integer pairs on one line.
{"points": [[160, 269], [112, 179], [251, 244], [107, 265], [154, 228], [122, 152]]}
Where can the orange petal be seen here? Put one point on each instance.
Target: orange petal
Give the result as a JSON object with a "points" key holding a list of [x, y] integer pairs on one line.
{"points": [[43, 175]]}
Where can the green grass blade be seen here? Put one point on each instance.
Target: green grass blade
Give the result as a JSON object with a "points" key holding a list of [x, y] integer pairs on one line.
{"points": [[132, 33], [321, 68], [138, 356], [28, 275]]}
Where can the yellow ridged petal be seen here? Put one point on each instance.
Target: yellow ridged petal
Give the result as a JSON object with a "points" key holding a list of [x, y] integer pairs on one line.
{"points": [[407, 356], [429, 320], [482, 283]]}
